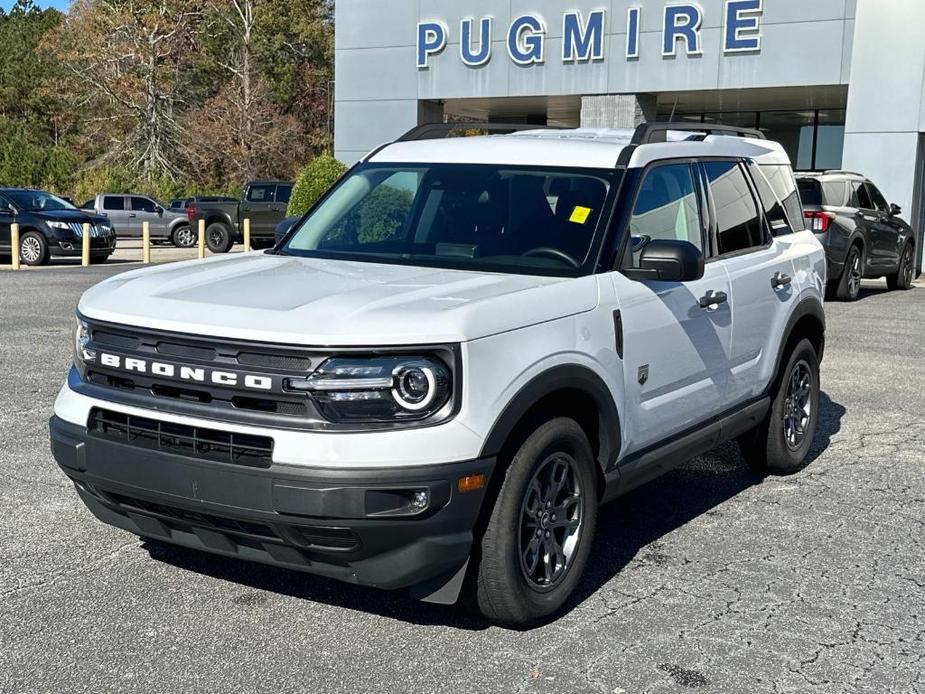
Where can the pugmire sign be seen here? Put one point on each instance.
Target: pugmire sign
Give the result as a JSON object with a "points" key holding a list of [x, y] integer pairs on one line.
{"points": [[583, 37]]}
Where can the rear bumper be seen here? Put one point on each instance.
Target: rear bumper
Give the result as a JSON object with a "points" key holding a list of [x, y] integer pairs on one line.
{"points": [[351, 525]]}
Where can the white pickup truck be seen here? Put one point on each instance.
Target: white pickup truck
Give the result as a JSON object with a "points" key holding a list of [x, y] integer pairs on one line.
{"points": [[468, 344]]}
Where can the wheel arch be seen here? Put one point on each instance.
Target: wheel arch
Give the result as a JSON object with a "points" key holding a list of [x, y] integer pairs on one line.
{"points": [[806, 322], [567, 390]]}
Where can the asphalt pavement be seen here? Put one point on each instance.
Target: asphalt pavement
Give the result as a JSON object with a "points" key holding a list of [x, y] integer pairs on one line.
{"points": [[709, 579]]}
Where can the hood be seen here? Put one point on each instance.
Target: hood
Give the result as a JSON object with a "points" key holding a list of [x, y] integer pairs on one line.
{"points": [[317, 302], [74, 216]]}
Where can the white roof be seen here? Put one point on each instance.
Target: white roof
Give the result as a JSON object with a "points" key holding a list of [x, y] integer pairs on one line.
{"points": [[595, 148]]}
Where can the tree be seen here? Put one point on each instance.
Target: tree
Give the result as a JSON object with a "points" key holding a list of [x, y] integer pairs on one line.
{"points": [[312, 182], [126, 59]]}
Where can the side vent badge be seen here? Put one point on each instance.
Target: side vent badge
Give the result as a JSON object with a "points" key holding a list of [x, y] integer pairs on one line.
{"points": [[643, 374]]}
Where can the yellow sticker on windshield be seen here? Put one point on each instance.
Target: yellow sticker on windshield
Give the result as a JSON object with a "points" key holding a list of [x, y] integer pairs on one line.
{"points": [[580, 215]]}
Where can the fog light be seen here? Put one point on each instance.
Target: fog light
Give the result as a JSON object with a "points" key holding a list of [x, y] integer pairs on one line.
{"points": [[419, 499]]}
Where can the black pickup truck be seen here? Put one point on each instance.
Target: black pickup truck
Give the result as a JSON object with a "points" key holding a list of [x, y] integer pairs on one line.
{"points": [[263, 202]]}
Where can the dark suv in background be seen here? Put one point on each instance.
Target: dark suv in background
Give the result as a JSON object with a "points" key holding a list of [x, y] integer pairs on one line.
{"points": [[863, 235]]}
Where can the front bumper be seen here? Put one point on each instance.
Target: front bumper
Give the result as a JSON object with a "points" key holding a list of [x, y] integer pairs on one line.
{"points": [[351, 525], [71, 245]]}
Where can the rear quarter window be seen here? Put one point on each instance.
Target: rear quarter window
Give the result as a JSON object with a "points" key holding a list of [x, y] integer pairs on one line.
{"points": [[784, 186]]}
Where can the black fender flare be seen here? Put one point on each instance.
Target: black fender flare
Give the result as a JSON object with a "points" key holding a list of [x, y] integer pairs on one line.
{"points": [[562, 377], [807, 307]]}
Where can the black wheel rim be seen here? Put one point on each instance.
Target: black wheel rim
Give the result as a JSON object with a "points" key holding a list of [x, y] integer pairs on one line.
{"points": [[552, 515], [907, 267], [854, 274], [30, 249], [216, 238], [798, 406]]}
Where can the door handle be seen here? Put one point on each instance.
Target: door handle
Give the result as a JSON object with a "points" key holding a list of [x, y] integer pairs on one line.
{"points": [[781, 280], [131, 216], [711, 299]]}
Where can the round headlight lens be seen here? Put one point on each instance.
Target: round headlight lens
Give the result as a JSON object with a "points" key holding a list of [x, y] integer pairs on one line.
{"points": [[81, 343], [415, 387]]}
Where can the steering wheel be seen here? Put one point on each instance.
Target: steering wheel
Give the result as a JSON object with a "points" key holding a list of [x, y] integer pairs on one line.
{"points": [[555, 253], [640, 242]]}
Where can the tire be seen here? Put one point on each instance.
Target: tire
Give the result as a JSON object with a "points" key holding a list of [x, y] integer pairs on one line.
{"points": [[776, 446], [183, 237], [849, 284], [504, 588], [905, 273], [218, 238], [33, 249]]}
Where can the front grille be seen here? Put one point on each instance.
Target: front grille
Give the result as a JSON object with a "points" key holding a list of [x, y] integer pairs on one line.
{"points": [[96, 230], [180, 439]]}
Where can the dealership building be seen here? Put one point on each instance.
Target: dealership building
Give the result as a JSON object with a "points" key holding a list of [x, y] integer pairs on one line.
{"points": [[840, 83]]}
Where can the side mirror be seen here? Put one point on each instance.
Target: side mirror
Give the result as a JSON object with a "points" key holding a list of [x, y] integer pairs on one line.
{"points": [[665, 260], [895, 210], [159, 209], [284, 227]]}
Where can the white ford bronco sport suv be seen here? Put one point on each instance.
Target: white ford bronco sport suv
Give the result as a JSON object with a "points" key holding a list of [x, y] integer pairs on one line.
{"points": [[467, 345]]}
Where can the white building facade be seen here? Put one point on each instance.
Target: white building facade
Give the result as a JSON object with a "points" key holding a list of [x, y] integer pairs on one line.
{"points": [[840, 83]]}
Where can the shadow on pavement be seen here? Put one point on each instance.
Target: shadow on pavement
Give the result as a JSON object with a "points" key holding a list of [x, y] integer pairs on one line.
{"points": [[625, 527]]}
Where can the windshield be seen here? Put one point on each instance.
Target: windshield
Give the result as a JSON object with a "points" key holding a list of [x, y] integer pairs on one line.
{"points": [[466, 216], [37, 201]]}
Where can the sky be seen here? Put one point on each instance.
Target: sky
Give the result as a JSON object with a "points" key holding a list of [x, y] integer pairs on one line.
{"points": [[60, 4]]}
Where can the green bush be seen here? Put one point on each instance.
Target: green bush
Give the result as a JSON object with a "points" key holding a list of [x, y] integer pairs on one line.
{"points": [[312, 182]]}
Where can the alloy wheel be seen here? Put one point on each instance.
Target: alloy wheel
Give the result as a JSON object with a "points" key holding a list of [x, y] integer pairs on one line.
{"points": [[854, 274], [908, 267], [551, 522], [798, 405], [185, 237], [30, 249]]}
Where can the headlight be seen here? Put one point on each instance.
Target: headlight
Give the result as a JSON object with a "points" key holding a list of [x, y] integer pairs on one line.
{"points": [[379, 389], [81, 341], [59, 225]]}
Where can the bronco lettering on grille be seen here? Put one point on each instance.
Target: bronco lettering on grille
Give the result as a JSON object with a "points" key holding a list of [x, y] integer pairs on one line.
{"points": [[187, 373]]}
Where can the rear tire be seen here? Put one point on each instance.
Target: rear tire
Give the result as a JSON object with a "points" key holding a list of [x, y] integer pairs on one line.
{"points": [[536, 544], [183, 237], [780, 444], [849, 285], [33, 249], [905, 273], [218, 238]]}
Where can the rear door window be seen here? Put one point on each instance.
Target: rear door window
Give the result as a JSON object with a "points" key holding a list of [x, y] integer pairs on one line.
{"points": [[260, 193], [113, 202], [877, 198], [738, 221], [860, 198], [142, 204], [283, 193]]}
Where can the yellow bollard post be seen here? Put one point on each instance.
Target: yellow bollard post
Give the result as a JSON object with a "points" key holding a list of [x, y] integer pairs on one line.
{"points": [[247, 234], [85, 253], [146, 243], [202, 239], [14, 245]]}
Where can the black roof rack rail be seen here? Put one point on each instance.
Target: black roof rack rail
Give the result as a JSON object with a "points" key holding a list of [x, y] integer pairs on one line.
{"points": [[651, 133], [439, 131]]}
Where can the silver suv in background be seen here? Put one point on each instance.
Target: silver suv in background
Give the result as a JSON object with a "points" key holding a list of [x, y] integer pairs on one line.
{"points": [[128, 212]]}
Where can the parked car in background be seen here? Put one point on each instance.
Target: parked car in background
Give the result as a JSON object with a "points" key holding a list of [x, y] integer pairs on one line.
{"points": [[128, 212], [50, 226], [183, 204], [863, 235], [263, 202]]}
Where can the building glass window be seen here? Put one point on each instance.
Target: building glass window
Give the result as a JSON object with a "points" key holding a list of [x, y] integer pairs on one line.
{"points": [[814, 139]]}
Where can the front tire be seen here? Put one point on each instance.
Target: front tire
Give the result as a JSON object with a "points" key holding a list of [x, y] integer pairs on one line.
{"points": [[905, 273], [33, 249], [536, 544], [183, 237], [218, 238], [781, 443]]}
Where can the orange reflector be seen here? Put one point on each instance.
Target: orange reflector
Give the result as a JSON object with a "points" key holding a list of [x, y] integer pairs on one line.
{"points": [[471, 483]]}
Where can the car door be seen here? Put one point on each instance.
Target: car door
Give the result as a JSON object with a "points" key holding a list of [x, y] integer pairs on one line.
{"points": [[676, 341], [890, 232], [258, 206], [143, 210], [760, 269], [6, 221], [867, 219], [115, 209]]}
